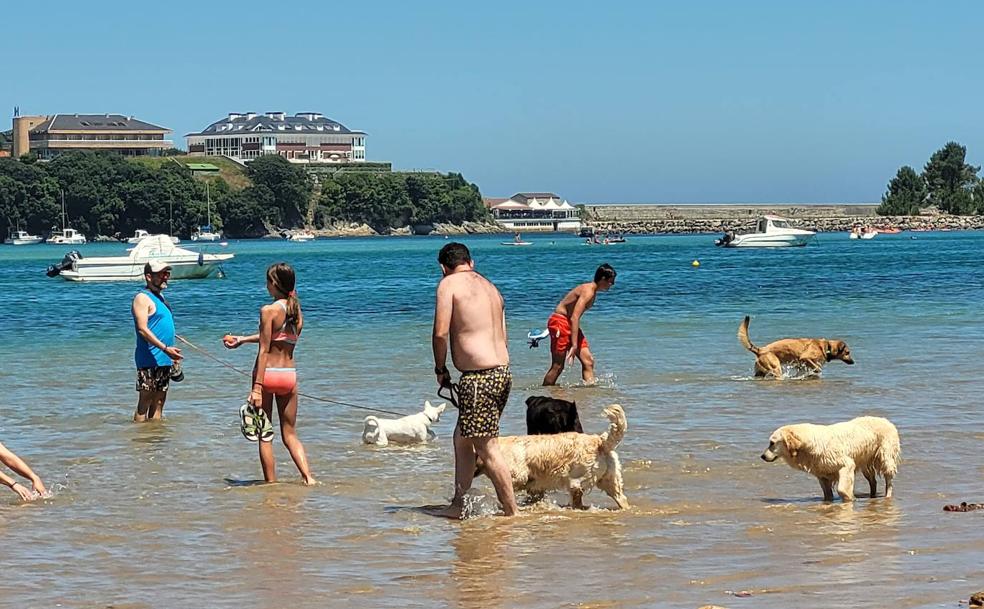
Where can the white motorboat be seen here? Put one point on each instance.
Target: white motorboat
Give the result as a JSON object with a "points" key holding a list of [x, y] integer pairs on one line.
{"points": [[205, 233], [140, 234], [771, 231], [185, 264], [864, 233], [67, 236], [20, 237], [299, 235]]}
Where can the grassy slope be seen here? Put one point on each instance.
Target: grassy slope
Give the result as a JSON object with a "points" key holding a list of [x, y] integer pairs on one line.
{"points": [[232, 173]]}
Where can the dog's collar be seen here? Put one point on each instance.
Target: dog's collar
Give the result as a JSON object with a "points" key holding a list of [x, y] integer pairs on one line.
{"points": [[430, 419], [827, 352]]}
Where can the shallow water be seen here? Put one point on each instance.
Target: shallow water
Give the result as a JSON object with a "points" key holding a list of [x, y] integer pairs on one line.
{"points": [[166, 514]]}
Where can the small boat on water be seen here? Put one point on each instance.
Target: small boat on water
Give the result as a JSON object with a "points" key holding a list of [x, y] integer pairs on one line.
{"points": [[67, 236], [517, 240], [21, 237], [863, 233], [140, 234], [299, 235], [185, 264], [771, 231], [205, 233]]}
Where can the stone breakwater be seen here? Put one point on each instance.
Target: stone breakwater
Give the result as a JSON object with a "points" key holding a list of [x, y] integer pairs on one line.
{"points": [[677, 219], [354, 229]]}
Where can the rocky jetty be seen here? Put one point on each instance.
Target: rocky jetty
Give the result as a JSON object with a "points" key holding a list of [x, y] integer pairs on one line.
{"points": [[680, 219]]}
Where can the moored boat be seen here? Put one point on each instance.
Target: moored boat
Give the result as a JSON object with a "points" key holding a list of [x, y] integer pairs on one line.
{"points": [[67, 236], [771, 231], [299, 235], [185, 264], [21, 237]]}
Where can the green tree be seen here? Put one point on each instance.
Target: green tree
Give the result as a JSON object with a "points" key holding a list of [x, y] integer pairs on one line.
{"points": [[28, 197], [291, 187], [978, 197], [386, 201], [245, 211], [906, 194], [949, 178]]}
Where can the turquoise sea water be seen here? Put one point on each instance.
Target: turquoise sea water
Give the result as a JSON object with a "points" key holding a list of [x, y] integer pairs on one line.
{"points": [[162, 515]]}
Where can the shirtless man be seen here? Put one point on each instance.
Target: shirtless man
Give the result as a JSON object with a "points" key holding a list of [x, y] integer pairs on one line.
{"points": [[565, 323], [470, 311]]}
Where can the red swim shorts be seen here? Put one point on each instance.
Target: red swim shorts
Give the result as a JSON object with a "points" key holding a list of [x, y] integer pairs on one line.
{"points": [[560, 334]]}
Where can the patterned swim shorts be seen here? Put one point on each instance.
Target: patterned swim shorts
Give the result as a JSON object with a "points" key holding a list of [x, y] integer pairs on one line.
{"points": [[482, 395], [153, 379]]}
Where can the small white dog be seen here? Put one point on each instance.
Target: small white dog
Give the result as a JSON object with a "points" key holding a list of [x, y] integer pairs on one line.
{"points": [[411, 429], [833, 453]]}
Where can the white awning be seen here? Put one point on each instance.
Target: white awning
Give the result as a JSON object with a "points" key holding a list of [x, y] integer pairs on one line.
{"points": [[510, 205]]}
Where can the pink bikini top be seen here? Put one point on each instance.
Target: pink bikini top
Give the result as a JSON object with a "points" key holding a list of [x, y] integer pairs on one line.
{"points": [[283, 335]]}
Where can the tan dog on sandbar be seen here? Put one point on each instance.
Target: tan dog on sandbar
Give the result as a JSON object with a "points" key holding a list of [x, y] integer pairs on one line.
{"points": [[811, 353]]}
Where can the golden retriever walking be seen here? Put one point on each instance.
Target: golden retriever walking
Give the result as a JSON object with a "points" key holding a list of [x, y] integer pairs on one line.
{"points": [[833, 453], [575, 462], [810, 352]]}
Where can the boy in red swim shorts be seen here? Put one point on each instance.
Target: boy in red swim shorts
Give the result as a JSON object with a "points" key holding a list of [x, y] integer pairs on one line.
{"points": [[565, 323]]}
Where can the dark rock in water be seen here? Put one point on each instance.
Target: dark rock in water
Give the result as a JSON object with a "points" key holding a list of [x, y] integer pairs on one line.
{"points": [[977, 600], [963, 507]]}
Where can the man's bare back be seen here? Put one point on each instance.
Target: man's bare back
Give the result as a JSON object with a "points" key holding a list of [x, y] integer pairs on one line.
{"points": [[586, 292], [477, 320]]}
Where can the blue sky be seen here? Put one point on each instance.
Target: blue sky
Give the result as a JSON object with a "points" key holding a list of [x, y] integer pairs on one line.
{"points": [[600, 102]]}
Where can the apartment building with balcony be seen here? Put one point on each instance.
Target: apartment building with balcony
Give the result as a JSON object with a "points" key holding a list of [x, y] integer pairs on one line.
{"points": [[49, 136], [306, 137]]}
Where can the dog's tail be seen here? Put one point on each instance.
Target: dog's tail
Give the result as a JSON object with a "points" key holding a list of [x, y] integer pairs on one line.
{"points": [[743, 336], [890, 451], [616, 430]]}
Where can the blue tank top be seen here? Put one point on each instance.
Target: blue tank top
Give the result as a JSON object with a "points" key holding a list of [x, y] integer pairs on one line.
{"points": [[161, 323]]}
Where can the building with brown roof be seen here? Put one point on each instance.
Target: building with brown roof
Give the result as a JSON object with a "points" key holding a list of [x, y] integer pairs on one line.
{"points": [[49, 136]]}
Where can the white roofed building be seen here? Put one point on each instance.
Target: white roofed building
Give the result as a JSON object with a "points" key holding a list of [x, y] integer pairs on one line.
{"points": [[307, 137], [536, 211]]}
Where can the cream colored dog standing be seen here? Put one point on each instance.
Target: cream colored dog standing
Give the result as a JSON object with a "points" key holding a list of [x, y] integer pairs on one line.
{"points": [[412, 429], [574, 462], [833, 453]]}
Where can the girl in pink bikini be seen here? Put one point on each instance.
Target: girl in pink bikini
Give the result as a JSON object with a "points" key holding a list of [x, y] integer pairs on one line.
{"points": [[274, 375]]}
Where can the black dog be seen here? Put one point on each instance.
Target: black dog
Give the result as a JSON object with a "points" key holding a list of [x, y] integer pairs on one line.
{"points": [[547, 415]]}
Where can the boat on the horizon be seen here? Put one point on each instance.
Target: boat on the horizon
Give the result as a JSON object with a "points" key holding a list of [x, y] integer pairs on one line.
{"points": [[66, 236], [205, 232], [299, 235], [140, 234], [771, 231], [21, 237], [184, 263], [863, 233]]}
